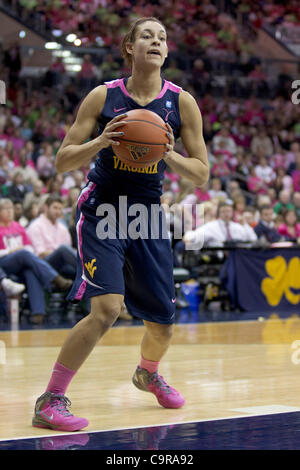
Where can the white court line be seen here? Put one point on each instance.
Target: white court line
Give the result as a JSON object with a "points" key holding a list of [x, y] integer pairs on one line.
{"points": [[284, 409]]}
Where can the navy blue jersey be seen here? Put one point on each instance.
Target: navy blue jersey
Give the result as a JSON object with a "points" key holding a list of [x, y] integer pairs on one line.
{"points": [[115, 178]]}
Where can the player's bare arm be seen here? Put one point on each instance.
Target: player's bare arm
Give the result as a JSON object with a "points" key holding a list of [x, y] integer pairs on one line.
{"points": [[196, 167], [74, 151]]}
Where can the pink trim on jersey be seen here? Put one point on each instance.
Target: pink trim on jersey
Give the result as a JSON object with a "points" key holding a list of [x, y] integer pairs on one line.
{"points": [[85, 193], [171, 86], [123, 87], [82, 286], [82, 198], [80, 291], [119, 82], [113, 83]]}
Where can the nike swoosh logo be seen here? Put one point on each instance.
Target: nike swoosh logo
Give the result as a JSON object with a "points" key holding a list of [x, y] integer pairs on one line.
{"points": [[173, 301], [50, 418], [116, 110]]}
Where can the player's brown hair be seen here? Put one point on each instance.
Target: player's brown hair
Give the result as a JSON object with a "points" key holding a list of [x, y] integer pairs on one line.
{"points": [[130, 36]]}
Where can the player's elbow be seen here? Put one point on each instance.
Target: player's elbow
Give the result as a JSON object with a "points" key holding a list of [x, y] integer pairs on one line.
{"points": [[202, 177], [59, 164]]}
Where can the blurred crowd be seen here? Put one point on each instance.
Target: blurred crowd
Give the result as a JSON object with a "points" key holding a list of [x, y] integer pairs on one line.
{"points": [[253, 141]]}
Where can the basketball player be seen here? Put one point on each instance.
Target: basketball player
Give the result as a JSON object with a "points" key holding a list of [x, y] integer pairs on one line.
{"points": [[109, 269]]}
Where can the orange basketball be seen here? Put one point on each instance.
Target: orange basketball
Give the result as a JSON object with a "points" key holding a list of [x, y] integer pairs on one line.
{"points": [[144, 139]]}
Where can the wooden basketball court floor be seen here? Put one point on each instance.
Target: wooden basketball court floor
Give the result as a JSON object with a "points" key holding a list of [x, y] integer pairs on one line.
{"points": [[229, 372]]}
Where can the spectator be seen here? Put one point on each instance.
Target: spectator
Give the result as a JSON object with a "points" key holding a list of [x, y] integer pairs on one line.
{"points": [[26, 167], [239, 206], [265, 228], [45, 164], [17, 190], [296, 203], [36, 195], [19, 214], [17, 258], [290, 229], [265, 172], [221, 169], [284, 203], [51, 239], [216, 189], [295, 174], [9, 287], [263, 141], [256, 184], [217, 232], [229, 143], [282, 180]]}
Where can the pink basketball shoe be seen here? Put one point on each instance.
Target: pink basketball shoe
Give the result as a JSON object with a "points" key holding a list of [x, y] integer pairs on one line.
{"points": [[51, 412], [166, 396]]}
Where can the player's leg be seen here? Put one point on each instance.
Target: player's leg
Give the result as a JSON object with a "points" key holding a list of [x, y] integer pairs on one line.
{"points": [[156, 340], [154, 345], [51, 407], [150, 295], [105, 310]]}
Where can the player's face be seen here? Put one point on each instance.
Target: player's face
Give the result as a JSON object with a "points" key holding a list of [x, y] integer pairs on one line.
{"points": [[150, 45]]}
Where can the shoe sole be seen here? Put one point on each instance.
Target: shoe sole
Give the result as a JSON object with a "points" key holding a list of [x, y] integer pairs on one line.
{"points": [[40, 423]]}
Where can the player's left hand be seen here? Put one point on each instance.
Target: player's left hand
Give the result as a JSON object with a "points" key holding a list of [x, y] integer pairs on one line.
{"points": [[170, 145]]}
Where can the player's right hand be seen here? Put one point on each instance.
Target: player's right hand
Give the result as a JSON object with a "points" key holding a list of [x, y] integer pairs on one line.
{"points": [[110, 134]]}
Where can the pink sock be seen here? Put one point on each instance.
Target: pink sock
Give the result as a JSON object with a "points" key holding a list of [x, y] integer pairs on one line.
{"points": [[60, 379], [150, 366]]}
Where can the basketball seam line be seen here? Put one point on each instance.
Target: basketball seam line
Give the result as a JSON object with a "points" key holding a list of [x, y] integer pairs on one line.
{"points": [[144, 120], [137, 142]]}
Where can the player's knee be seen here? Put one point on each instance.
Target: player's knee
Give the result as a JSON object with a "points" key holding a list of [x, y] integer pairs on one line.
{"points": [[105, 310], [161, 333]]}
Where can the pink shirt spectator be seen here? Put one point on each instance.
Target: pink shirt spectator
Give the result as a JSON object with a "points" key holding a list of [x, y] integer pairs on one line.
{"points": [[46, 236], [296, 180], [13, 237], [284, 230], [256, 185]]}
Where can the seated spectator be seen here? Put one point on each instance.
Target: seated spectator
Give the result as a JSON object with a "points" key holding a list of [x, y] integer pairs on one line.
{"points": [[265, 228], [45, 164], [36, 195], [19, 214], [221, 169], [18, 189], [282, 180], [26, 167], [224, 136], [296, 203], [265, 172], [248, 216], [290, 229], [17, 258], [263, 141], [31, 212], [239, 206], [295, 174], [255, 184], [51, 239], [284, 203], [216, 188], [217, 232], [9, 287]]}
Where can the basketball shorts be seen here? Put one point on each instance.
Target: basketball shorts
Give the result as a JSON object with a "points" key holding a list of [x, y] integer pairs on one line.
{"points": [[123, 248]]}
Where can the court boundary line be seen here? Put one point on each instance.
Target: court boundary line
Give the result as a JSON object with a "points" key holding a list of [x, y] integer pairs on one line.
{"points": [[146, 426]]}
